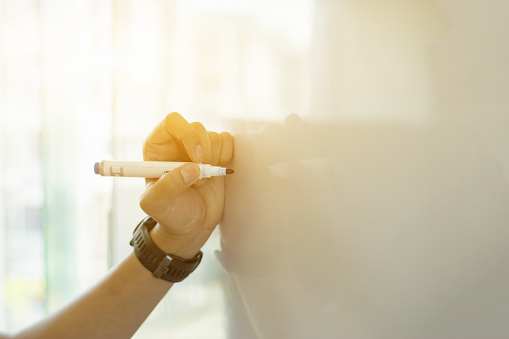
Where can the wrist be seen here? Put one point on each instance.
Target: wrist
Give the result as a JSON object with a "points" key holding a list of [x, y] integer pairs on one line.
{"points": [[184, 246], [163, 265]]}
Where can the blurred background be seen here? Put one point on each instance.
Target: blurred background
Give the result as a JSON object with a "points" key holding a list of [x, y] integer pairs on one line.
{"points": [[86, 80], [371, 187]]}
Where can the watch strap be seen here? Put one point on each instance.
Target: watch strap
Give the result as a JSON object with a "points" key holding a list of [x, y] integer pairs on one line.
{"points": [[164, 266]]}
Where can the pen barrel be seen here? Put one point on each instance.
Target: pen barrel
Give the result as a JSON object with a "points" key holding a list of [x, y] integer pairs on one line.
{"points": [[150, 169], [137, 169]]}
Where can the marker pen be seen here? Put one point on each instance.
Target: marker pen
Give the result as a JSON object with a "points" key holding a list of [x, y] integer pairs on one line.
{"points": [[151, 169]]}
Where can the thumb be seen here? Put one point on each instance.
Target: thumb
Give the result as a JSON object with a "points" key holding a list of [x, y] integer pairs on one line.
{"points": [[158, 196]]}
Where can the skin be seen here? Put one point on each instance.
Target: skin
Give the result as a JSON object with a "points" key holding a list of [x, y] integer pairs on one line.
{"points": [[185, 220], [187, 211]]}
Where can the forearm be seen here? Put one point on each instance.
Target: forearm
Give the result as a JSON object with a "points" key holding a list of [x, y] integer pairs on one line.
{"points": [[187, 211], [114, 308]]}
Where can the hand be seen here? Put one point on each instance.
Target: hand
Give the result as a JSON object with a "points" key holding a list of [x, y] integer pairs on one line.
{"points": [[187, 209]]}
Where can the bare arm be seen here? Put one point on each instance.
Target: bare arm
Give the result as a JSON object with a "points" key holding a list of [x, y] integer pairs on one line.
{"points": [[114, 308], [187, 211]]}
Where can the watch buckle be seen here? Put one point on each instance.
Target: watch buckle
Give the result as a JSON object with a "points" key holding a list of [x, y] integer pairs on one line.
{"points": [[163, 268]]}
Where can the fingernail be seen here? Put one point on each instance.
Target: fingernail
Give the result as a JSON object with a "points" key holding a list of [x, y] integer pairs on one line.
{"points": [[198, 152], [189, 173]]}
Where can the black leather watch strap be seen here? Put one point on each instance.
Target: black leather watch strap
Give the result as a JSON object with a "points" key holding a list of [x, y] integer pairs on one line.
{"points": [[162, 265]]}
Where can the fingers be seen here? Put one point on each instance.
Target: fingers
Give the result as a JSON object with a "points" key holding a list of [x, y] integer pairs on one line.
{"points": [[206, 147], [226, 149], [190, 135], [216, 143], [217, 148], [173, 139], [218, 152], [157, 197]]}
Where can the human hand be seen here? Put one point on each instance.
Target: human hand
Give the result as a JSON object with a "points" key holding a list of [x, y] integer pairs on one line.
{"points": [[187, 209]]}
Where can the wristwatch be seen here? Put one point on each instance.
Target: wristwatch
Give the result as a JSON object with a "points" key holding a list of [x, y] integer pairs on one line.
{"points": [[162, 265]]}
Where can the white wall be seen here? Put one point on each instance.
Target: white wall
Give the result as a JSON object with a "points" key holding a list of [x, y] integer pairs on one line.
{"points": [[383, 212]]}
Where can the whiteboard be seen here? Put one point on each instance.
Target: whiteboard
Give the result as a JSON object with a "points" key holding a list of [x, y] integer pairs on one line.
{"points": [[382, 210]]}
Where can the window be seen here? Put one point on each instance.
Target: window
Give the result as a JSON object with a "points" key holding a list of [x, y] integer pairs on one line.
{"points": [[82, 81]]}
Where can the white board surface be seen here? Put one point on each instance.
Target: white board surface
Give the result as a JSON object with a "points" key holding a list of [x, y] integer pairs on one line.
{"points": [[383, 211]]}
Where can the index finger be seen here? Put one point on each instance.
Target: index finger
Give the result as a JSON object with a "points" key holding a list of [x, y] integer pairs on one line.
{"points": [[173, 139]]}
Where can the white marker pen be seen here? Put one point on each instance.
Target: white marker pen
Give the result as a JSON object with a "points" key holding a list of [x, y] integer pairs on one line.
{"points": [[151, 169]]}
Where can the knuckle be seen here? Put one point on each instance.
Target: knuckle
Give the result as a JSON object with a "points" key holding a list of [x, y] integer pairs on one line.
{"points": [[173, 115], [198, 126]]}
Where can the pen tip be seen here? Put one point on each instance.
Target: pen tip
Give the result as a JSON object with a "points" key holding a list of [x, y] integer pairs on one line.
{"points": [[229, 171]]}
